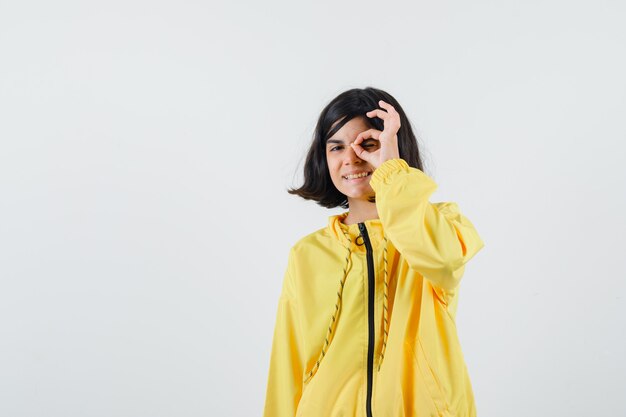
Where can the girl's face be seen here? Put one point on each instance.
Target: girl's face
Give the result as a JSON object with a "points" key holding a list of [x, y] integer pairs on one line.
{"points": [[343, 163]]}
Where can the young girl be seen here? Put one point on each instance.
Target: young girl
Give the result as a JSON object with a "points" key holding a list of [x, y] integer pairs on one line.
{"points": [[366, 317]]}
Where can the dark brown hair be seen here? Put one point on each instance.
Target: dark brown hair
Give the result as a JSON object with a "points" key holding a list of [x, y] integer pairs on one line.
{"points": [[318, 185]]}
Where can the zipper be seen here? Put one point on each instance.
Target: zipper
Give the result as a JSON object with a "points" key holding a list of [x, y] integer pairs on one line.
{"points": [[370, 305]]}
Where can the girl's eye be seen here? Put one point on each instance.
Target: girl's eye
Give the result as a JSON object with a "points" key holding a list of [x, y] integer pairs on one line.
{"points": [[365, 145]]}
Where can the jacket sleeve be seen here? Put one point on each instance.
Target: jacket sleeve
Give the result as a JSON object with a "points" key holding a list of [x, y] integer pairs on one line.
{"points": [[284, 383], [434, 238]]}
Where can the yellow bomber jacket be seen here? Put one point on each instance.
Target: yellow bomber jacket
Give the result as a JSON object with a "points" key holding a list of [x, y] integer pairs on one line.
{"points": [[365, 324]]}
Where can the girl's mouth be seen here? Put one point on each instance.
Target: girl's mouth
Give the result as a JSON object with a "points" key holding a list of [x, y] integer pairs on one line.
{"points": [[357, 177]]}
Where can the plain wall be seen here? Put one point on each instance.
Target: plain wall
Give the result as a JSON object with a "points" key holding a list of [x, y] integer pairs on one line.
{"points": [[145, 152]]}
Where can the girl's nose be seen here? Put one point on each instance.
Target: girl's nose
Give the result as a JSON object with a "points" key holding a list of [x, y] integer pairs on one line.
{"points": [[351, 156]]}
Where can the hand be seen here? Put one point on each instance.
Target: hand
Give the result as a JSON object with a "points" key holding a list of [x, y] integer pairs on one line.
{"points": [[388, 138]]}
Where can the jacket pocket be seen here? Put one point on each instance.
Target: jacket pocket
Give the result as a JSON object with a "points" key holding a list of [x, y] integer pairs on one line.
{"points": [[427, 373]]}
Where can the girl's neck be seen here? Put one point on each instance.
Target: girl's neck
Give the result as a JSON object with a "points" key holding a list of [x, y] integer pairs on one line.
{"points": [[360, 211]]}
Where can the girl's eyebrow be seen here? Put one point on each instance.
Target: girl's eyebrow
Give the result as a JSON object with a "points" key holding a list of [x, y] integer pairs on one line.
{"points": [[334, 141], [329, 141]]}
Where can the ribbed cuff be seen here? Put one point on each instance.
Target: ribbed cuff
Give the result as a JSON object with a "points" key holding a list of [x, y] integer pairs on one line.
{"points": [[387, 168]]}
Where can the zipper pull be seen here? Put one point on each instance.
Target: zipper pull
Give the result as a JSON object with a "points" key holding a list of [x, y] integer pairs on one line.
{"points": [[363, 233]]}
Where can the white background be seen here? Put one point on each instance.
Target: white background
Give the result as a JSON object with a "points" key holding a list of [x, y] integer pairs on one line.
{"points": [[146, 148]]}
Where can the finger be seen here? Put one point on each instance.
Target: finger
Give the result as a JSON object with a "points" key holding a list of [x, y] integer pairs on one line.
{"points": [[386, 106], [378, 113], [370, 133], [360, 152], [391, 111]]}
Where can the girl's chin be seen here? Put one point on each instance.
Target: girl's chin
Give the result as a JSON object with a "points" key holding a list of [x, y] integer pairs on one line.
{"points": [[361, 196], [357, 192]]}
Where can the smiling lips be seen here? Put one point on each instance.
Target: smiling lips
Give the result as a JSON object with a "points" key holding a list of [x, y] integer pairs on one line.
{"points": [[355, 176]]}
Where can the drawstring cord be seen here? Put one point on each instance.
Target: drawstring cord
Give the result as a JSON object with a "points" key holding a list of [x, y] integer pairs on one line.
{"points": [[333, 320], [385, 303], [335, 315]]}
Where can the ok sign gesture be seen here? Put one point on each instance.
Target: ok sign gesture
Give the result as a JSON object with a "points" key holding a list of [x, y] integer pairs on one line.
{"points": [[388, 138]]}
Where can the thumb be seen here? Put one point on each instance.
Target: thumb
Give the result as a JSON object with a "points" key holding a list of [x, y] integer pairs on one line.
{"points": [[360, 152]]}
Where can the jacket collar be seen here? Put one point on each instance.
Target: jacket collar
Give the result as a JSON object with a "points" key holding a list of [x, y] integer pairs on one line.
{"points": [[347, 234]]}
